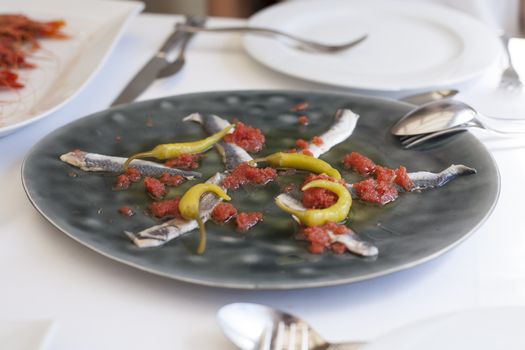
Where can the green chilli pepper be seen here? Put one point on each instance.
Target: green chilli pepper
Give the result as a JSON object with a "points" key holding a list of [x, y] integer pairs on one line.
{"points": [[171, 150], [189, 207], [301, 162], [317, 217]]}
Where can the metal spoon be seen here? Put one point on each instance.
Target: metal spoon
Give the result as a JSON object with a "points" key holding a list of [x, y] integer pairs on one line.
{"points": [[428, 96], [247, 324], [447, 114]]}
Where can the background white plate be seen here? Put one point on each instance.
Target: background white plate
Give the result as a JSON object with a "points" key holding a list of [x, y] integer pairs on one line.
{"points": [[481, 329], [411, 45], [25, 335], [64, 67]]}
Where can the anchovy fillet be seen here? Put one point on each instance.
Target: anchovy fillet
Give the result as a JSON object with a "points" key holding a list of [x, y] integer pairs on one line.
{"points": [[102, 163], [350, 239], [232, 155], [174, 228], [425, 180], [345, 123]]}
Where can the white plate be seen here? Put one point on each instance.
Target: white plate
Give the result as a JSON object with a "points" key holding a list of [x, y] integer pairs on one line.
{"points": [[481, 329], [64, 67], [25, 335], [411, 45]]}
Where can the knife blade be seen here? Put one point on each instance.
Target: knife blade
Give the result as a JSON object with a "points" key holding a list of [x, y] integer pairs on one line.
{"points": [[148, 74]]}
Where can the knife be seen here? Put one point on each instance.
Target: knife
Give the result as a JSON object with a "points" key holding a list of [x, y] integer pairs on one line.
{"points": [[179, 62], [148, 74]]}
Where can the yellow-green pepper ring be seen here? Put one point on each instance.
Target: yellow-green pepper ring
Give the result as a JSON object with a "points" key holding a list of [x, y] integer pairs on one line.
{"points": [[301, 162], [317, 217], [171, 150], [189, 207]]}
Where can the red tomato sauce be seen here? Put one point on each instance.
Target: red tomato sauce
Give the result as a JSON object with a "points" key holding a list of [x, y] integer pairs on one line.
{"points": [[402, 179], [319, 238], [245, 221], [171, 180], [165, 208], [303, 120], [301, 106], [316, 140], [154, 187], [301, 144], [125, 180], [319, 198], [223, 212], [245, 174], [359, 163], [251, 139], [184, 161], [374, 191], [126, 211]]}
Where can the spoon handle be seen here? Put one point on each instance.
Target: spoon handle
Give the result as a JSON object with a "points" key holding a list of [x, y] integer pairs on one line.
{"points": [[355, 345], [505, 127]]}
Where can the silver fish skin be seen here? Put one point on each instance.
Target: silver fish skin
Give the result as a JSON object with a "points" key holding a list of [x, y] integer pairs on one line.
{"points": [[102, 163], [232, 155], [160, 234], [350, 239], [425, 180], [343, 127]]}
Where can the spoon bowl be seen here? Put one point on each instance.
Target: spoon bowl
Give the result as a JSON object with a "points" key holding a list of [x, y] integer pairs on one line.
{"points": [[435, 116]]}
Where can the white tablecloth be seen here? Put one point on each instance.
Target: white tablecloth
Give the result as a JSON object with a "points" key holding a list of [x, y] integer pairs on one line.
{"points": [[102, 304]]}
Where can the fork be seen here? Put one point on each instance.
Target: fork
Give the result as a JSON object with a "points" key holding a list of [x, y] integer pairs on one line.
{"points": [[304, 44], [414, 140], [294, 334], [510, 79]]}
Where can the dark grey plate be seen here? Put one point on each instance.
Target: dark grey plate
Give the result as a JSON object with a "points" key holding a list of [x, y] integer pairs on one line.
{"points": [[414, 229]]}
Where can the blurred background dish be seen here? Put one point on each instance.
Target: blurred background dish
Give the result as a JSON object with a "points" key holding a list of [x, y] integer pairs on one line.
{"points": [[480, 329], [63, 67], [410, 45]]}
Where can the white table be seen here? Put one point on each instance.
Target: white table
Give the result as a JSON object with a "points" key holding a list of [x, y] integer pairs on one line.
{"points": [[102, 304]]}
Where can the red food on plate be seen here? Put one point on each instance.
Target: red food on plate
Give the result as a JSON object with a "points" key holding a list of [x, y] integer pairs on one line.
{"points": [[223, 212], [374, 191], [184, 161], [245, 221], [251, 139], [245, 174], [165, 208], [171, 180], [359, 163], [126, 211], [18, 38], [154, 187], [303, 120], [319, 237]]}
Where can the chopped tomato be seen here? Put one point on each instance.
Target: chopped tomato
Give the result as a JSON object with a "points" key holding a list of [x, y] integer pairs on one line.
{"points": [[245, 174], [245, 221], [154, 187], [251, 139], [165, 208], [223, 212], [359, 163]]}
